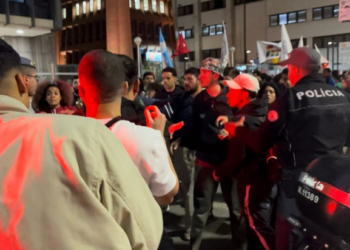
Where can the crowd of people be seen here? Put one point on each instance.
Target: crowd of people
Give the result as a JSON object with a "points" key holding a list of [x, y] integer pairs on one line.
{"points": [[88, 165]]}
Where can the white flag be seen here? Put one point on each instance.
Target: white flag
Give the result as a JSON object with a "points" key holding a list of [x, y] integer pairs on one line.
{"points": [[323, 59], [301, 42], [225, 54], [268, 51], [286, 45]]}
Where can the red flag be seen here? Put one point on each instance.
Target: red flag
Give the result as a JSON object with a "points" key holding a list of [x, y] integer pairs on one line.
{"points": [[181, 47]]}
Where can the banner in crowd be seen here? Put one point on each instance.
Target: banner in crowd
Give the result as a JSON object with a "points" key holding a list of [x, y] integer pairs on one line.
{"points": [[344, 10], [286, 45], [268, 51], [344, 53]]}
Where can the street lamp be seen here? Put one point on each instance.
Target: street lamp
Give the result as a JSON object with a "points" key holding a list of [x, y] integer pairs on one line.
{"points": [[232, 49], [138, 42]]}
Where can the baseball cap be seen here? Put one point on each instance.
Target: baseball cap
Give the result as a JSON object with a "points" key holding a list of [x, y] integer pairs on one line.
{"points": [[305, 58], [27, 62], [244, 81], [214, 65]]}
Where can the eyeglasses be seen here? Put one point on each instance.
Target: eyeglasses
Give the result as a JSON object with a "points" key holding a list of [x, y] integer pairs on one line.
{"points": [[37, 78]]}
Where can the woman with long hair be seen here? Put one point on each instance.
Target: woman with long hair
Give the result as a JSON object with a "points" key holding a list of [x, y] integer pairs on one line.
{"points": [[53, 97], [269, 92]]}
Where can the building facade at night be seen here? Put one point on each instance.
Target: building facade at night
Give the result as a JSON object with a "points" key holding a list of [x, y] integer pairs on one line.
{"points": [[315, 20], [113, 25], [27, 26]]}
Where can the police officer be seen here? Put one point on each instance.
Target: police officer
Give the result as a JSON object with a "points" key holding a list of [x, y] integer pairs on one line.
{"points": [[311, 120], [30, 77]]}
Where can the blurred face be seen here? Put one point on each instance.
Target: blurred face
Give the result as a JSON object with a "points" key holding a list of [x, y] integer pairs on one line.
{"points": [[75, 83], [191, 83], [53, 97], [31, 79], [151, 93], [148, 79], [345, 83], [326, 74], [269, 94], [293, 74], [169, 81], [207, 77], [236, 97]]}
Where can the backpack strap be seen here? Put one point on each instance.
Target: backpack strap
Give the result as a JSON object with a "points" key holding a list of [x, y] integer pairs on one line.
{"points": [[113, 121]]}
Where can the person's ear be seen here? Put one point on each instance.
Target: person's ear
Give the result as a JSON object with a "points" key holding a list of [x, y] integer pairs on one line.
{"points": [[136, 87], [245, 95], [125, 88], [21, 85]]}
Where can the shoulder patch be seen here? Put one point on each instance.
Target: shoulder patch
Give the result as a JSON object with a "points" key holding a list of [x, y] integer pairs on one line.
{"points": [[272, 116]]}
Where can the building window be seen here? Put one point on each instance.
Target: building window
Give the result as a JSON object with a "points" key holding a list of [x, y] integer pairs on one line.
{"points": [[91, 5], [137, 4], [185, 10], [215, 53], [238, 2], [325, 41], [77, 10], [292, 17], [145, 5], [187, 34], [162, 7], [213, 5], [325, 12], [288, 18], [301, 16], [187, 57], [154, 5], [213, 30], [98, 4], [84, 7], [130, 3], [64, 13]]}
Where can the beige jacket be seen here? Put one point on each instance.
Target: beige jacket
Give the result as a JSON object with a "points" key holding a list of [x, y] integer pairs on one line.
{"points": [[67, 183]]}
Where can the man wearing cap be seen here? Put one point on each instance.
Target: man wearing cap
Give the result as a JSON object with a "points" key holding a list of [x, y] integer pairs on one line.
{"points": [[311, 120], [256, 191], [30, 77], [210, 150]]}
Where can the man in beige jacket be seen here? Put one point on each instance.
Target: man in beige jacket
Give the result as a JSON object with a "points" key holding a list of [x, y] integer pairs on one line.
{"points": [[66, 182]]}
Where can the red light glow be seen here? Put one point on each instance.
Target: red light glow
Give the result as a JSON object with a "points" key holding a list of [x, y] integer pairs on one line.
{"points": [[331, 207]]}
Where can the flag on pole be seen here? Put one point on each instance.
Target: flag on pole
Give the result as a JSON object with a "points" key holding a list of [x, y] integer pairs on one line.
{"points": [[324, 61], [225, 54], [181, 46], [286, 45], [301, 42], [164, 50], [268, 51]]}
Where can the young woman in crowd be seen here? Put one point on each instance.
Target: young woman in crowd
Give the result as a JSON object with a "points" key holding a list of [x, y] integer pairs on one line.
{"points": [[53, 97], [269, 92]]}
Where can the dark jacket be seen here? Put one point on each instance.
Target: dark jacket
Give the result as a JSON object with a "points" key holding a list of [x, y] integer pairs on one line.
{"points": [[206, 109], [169, 96], [311, 120], [133, 111], [242, 162]]}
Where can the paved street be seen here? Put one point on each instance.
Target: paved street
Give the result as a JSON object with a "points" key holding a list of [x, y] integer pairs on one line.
{"points": [[217, 234]]}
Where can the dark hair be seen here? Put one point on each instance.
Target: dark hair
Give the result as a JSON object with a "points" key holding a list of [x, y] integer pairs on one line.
{"points": [[170, 70], [257, 72], [39, 102], [328, 70], [75, 78], [264, 86], [9, 59], [148, 74], [231, 72], [193, 71], [335, 75], [252, 94], [104, 72], [278, 78], [285, 71], [157, 87], [130, 69], [26, 70]]}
